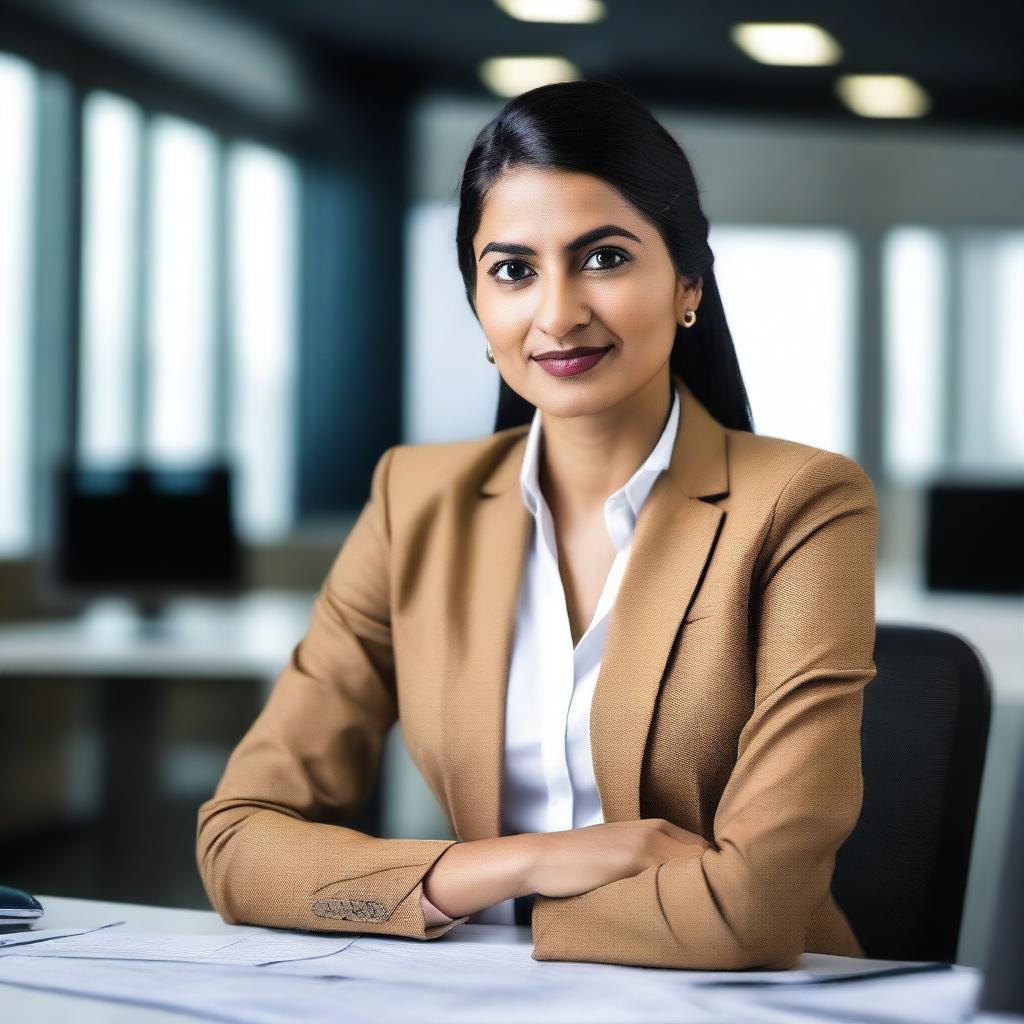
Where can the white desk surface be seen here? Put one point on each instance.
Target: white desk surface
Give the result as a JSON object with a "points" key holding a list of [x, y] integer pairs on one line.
{"points": [[246, 637], [19, 1005], [993, 625], [22, 1005]]}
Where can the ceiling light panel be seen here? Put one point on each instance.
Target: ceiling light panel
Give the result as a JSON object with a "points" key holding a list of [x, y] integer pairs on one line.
{"points": [[562, 12], [509, 76], [883, 95], [797, 44]]}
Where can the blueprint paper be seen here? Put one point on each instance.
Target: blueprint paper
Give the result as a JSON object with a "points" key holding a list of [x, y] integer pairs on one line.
{"points": [[251, 950], [479, 973], [944, 998], [258, 996], [44, 934]]}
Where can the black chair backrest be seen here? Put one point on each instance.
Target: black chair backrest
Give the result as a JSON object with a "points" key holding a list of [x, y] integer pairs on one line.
{"points": [[901, 876]]}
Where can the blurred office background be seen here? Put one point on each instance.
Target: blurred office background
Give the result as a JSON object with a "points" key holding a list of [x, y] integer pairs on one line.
{"points": [[227, 261]]}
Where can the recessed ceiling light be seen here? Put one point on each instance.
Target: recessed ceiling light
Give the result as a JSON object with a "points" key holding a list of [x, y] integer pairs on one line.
{"points": [[509, 76], [883, 95], [793, 43], [564, 12]]}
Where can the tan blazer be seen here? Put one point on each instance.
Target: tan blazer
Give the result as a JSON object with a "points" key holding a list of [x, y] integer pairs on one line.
{"points": [[729, 702]]}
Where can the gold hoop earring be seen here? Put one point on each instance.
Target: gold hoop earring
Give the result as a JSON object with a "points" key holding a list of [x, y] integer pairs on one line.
{"points": [[490, 355], [689, 318]]}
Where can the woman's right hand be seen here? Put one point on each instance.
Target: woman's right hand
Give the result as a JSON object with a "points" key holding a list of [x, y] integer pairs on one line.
{"points": [[577, 860]]}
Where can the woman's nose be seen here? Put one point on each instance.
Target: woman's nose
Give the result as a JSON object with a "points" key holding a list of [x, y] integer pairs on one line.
{"points": [[561, 309]]}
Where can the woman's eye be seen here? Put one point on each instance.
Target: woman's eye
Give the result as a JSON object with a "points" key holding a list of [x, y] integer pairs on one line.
{"points": [[514, 268], [606, 256], [501, 266]]}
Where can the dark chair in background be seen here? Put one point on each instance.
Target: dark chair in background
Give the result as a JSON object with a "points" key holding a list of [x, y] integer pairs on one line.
{"points": [[902, 874]]}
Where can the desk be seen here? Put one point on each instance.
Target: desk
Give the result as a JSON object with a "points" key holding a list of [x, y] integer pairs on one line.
{"points": [[359, 1001], [248, 639]]}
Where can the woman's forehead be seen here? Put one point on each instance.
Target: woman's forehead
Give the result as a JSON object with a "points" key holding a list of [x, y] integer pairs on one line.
{"points": [[551, 203]]}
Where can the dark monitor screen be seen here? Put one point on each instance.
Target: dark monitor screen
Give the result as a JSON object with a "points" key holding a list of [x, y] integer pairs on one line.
{"points": [[139, 529], [975, 538]]}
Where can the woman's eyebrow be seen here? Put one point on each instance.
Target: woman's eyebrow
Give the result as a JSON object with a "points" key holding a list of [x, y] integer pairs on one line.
{"points": [[516, 249]]}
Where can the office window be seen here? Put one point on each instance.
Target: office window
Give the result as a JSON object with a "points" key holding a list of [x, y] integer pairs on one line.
{"points": [[179, 348], [450, 389], [789, 297], [988, 380], [17, 143], [1009, 348], [954, 352], [110, 215], [189, 315], [916, 333], [262, 377]]}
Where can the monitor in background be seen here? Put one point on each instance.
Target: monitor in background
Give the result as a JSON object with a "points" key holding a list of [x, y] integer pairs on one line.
{"points": [[973, 538], [145, 533]]}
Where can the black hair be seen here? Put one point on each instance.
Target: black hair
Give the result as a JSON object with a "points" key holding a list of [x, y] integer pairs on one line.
{"points": [[602, 129]]}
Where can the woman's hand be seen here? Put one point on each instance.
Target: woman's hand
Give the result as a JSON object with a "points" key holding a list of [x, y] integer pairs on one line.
{"points": [[469, 876], [577, 860]]}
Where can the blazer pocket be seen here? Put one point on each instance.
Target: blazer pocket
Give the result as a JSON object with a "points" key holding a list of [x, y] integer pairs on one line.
{"points": [[351, 910]]}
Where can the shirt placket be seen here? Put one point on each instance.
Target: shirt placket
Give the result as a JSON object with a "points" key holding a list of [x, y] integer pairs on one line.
{"points": [[557, 697]]}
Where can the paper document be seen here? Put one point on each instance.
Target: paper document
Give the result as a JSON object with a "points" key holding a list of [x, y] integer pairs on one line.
{"points": [[264, 947], [947, 997], [476, 972], [460, 960], [816, 968], [248, 995], [43, 934]]}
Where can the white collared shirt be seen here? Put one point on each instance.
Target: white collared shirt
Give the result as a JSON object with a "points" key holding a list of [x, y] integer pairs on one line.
{"points": [[548, 781]]}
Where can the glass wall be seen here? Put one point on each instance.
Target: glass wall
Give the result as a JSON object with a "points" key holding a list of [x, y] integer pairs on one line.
{"points": [[188, 324], [18, 94]]}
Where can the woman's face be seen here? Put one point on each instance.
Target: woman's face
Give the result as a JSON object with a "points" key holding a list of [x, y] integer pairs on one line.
{"points": [[617, 288]]}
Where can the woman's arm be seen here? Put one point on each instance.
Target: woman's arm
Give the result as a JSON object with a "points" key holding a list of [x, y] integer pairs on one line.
{"points": [[272, 844], [795, 791], [471, 876]]}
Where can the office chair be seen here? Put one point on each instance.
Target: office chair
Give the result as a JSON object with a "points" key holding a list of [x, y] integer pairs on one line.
{"points": [[901, 876]]}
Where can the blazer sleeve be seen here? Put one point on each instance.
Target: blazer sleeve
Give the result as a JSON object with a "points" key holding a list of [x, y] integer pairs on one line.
{"points": [[272, 845], [795, 792]]}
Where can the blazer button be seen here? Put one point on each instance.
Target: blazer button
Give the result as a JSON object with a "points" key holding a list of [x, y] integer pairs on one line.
{"points": [[351, 910]]}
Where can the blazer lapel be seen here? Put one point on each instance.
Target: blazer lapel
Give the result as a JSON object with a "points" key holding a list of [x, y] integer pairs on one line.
{"points": [[673, 541], [480, 651], [675, 535]]}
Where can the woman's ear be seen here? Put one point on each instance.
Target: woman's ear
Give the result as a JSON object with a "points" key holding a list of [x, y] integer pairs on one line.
{"points": [[688, 294]]}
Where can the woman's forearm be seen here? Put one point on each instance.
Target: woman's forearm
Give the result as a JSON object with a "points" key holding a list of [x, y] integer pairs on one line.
{"points": [[470, 876]]}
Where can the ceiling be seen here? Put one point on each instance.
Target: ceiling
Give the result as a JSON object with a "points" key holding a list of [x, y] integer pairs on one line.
{"points": [[970, 58]]}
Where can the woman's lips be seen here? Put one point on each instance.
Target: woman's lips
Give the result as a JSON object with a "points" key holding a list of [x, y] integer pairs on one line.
{"points": [[572, 365]]}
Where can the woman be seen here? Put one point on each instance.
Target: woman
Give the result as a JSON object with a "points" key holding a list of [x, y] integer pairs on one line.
{"points": [[626, 637]]}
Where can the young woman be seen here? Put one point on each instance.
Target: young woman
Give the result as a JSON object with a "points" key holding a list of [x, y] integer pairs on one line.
{"points": [[626, 637]]}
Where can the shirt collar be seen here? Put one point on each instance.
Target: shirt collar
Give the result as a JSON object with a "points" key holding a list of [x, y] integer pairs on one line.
{"points": [[630, 496]]}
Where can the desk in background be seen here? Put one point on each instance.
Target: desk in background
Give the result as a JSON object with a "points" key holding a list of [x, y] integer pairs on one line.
{"points": [[247, 639]]}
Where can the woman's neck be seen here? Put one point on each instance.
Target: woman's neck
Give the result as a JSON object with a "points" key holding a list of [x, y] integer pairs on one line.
{"points": [[584, 459]]}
